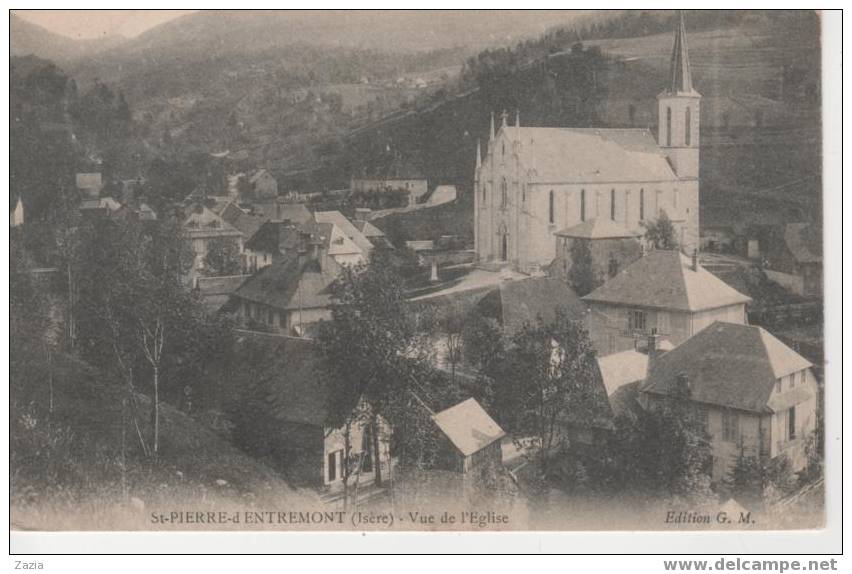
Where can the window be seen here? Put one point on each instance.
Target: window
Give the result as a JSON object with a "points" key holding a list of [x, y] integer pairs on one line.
{"points": [[668, 127], [332, 466], [282, 320], [551, 209], [612, 204], [802, 377], [582, 205], [504, 194], [636, 320], [778, 385], [791, 423], [641, 205], [688, 126], [730, 426]]}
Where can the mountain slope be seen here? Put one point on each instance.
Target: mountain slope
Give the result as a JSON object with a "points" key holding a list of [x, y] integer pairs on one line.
{"points": [[31, 39]]}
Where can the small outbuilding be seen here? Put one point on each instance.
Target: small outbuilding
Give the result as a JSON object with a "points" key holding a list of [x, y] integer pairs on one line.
{"points": [[472, 438]]}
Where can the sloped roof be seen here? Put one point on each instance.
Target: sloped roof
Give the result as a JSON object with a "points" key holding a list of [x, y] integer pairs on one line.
{"points": [[209, 286], [589, 155], [468, 427], [797, 240], [597, 228], [665, 280], [619, 369], [516, 302], [203, 222], [297, 384], [290, 283], [259, 174], [246, 223], [348, 229], [274, 237], [335, 241], [727, 364], [280, 211], [369, 230]]}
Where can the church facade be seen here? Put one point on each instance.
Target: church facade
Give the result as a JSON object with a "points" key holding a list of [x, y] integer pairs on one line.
{"points": [[534, 182]]}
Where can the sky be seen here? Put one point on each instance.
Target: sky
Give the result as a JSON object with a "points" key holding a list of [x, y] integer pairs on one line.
{"points": [[81, 24]]}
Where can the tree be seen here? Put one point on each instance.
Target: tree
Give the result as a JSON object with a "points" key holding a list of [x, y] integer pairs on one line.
{"points": [[222, 258], [547, 377], [371, 347], [581, 275], [667, 451], [661, 233], [482, 340]]}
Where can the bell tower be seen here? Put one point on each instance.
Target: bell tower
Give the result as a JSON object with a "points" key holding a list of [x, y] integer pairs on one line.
{"points": [[679, 111]]}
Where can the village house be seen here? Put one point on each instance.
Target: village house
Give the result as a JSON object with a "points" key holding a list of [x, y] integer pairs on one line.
{"points": [[758, 397], [202, 228], [794, 259], [273, 240], [399, 177], [665, 292], [610, 245], [348, 228], [263, 184], [214, 292], [471, 439], [311, 450], [535, 181], [291, 295], [373, 234]]}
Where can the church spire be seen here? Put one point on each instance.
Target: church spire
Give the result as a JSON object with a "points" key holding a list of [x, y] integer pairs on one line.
{"points": [[517, 118], [478, 154], [680, 80], [491, 133]]}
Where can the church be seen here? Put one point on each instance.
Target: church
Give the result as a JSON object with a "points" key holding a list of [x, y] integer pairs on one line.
{"points": [[534, 183]]}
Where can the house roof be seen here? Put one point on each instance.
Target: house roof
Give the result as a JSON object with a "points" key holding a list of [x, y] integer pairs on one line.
{"points": [[274, 237], [203, 222], [246, 223], [347, 228], [665, 280], [369, 230], [297, 384], [589, 155], [259, 174], [334, 240], [468, 427], [624, 368], [208, 286], [280, 211], [597, 228], [89, 181], [802, 245], [514, 303], [727, 364], [292, 283]]}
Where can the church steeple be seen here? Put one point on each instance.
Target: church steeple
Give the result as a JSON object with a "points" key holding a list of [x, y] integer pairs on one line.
{"points": [[491, 133], [478, 155], [680, 76], [679, 108]]}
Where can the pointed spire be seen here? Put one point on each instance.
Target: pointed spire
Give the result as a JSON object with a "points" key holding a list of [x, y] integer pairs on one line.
{"points": [[504, 117], [680, 80], [491, 135], [478, 154], [517, 118]]}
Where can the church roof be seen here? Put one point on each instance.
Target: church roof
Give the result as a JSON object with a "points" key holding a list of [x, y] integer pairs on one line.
{"points": [[590, 155], [729, 365], [597, 228], [665, 280]]}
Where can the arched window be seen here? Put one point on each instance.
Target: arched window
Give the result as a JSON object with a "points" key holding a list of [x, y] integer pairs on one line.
{"points": [[688, 127], [668, 127], [504, 193], [641, 205], [612, 204], [582, 205], [551, 208]]}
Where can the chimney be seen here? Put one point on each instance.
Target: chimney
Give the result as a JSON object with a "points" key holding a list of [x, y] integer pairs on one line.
{"points": [[695, 259]]}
